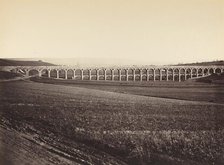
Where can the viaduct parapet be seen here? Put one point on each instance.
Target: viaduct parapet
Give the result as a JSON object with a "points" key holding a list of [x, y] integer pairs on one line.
{"points": [[154, 73]]}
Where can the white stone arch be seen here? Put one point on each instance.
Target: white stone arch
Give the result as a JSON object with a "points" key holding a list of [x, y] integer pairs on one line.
{"points": [[176, 71], [108, 72], [137, 71], [53, 73], [45, 72], [188, 71], [34, 72], [86, 72], [170, 71], [70, 73], [123, 71], [211, 70], [151, 71], [101, 72], [62, 73], [157, 71], [194, 71], [182, 70], [94, 72], [206, 71], [200, 71], [78, 72], [130, 71], [116, 71], [144, 71], [218, 70]]}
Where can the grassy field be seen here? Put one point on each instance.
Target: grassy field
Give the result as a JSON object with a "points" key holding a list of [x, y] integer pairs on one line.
{"points": [[115, 125], [187, 90]]}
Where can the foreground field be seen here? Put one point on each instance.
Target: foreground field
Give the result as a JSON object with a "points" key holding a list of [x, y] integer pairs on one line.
{"points": [[91, 126]]}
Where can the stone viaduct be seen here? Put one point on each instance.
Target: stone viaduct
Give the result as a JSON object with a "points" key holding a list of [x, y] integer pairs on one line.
{"points": [[153, 73]]}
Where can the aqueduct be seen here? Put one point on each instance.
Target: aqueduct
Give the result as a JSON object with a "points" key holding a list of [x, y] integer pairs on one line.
{"points": [[155, 73]]}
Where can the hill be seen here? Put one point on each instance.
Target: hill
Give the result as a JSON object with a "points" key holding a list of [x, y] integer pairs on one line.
{"points": [[214, 78], [216, 63], [8, 75], [7, 62]]}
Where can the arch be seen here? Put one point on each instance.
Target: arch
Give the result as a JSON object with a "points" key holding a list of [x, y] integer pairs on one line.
{"points": [[109, 72], [78, 72], [150, 77], [70, 74], [53, 73], [200, 71], [157, 74], [144, 78], [144, 71], [123, 72], [182, 77], [182, 71], [101, 72], [188, 76], [211, 71], [194, 71], [123, 78], [137, 71], [218, 71], [116, 72], [86, 72], [62, 73], [176, 77], [170, 74], [109, 77], [206, 71], [157, 71], [176, 71], [45, 72], [93, 71], [130, 78], [162, 74], [151, 71], [33, 72], [116, 77], [137, 78], [188, 71], [170, 71], [130, 71]]}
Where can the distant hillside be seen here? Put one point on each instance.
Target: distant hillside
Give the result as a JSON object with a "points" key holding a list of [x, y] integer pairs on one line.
{"points": [[8, 75], [214, 78], [221, 62], [7, 62]]}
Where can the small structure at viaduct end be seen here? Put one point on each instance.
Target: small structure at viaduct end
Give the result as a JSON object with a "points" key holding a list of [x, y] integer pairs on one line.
{"points": [[155, 73]]}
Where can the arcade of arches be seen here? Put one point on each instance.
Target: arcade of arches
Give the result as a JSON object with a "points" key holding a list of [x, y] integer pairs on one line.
{"points": [[128, 74]]}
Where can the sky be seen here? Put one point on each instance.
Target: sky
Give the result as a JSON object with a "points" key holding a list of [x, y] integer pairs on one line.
{"points": [[107, 32]]}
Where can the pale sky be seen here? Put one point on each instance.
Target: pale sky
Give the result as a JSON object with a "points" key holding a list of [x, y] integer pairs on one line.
{"points": [[113, 31]]}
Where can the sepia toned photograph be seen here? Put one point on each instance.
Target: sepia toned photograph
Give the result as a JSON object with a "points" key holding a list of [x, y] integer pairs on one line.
{"points": [[111, 82]]}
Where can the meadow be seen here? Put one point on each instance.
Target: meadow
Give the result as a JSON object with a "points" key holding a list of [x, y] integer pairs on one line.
{"points": [[119, 124]]}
